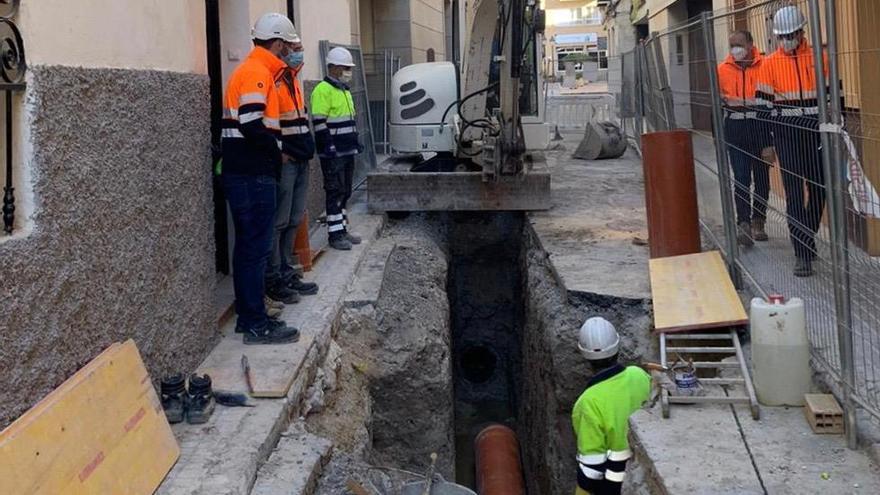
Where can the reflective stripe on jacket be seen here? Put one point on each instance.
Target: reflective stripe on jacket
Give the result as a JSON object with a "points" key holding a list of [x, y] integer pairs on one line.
{"points": [[251, 129], [333, 117], [296, 137]]}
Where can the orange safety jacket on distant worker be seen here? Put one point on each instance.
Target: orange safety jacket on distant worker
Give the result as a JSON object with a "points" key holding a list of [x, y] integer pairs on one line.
{"points": [[739, 86], [296, 137], [251, 134], [788, 82]]}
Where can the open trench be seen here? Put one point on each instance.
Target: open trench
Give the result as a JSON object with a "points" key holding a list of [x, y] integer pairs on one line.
{"points": [[470, 327]]}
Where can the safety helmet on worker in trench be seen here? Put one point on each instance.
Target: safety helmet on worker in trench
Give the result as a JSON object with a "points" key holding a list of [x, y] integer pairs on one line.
{"points": [[275, 26], [340, 56], [598, 339], [787, 20]]}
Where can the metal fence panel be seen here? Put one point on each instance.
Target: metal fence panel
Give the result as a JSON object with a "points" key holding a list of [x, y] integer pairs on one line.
{"points": [[809, 173]]}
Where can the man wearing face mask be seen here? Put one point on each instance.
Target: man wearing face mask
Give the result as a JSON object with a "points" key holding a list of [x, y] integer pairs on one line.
{"points": [[336, 137], [747, 134], [788, 82], [251, 139], [283, 282]]}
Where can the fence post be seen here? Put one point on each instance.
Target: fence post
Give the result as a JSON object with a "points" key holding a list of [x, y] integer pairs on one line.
{"points": [[721, 158], [663, 76], [639, 94], [830, 126]]}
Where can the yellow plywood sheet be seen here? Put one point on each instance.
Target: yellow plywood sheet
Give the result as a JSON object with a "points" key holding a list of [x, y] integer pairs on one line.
{"points": [[102, 431], [694, 291]]}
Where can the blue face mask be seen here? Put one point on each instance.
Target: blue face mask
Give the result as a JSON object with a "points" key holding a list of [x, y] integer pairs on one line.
{"points": [[293, 59]]}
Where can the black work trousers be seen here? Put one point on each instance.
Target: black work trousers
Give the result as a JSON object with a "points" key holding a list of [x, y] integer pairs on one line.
{"points": [[751, 175], [800, 157], [338, 177]]}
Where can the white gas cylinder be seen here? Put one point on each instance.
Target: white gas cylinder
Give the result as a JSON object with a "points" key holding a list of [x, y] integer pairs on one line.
{"points": [[780, 351]]}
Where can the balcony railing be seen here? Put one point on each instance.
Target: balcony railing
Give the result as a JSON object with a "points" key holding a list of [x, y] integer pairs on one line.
{"points": [[12, 69], [586, 21]]}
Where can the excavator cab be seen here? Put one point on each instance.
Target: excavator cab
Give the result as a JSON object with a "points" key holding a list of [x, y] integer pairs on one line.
{"points": [[463, 133]]}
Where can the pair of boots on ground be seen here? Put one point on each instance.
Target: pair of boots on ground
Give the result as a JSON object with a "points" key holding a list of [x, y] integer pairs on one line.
{"points": [[275, 331], [194, 403], [748, 233]]}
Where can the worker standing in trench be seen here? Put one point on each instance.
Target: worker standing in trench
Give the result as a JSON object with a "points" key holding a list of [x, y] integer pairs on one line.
{"points": [[601, 414]]}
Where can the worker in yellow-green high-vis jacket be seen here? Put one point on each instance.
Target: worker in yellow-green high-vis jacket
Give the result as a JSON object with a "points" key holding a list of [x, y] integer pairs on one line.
{"points": [[336, 137], [601, 414]]}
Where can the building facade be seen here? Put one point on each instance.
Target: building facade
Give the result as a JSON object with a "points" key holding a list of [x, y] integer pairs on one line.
{"points": [[575, 29]]}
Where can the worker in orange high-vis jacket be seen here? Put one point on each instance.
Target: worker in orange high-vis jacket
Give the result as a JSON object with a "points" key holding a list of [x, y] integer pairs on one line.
{"points": [[251, 139], [789, 83], [283, 282], [747, 133]]}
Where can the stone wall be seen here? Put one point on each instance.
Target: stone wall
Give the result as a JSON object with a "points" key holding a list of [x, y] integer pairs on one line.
{"points": [[122, 245]]}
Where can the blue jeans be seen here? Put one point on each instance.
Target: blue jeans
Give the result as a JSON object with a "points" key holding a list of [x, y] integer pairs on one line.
{"points": [[291, 194], [252, 202]]}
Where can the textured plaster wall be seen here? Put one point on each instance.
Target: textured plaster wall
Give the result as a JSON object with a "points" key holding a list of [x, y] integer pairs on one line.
{"points": [[122, 241]]}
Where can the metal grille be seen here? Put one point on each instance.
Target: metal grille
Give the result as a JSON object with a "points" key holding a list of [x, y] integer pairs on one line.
{"points": [[380, 68], [366, 161], [812, 176]]}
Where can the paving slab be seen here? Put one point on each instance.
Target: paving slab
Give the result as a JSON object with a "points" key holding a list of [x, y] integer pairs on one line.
{"points": [[593, 229], [697, 451], [222, 457], [791, 459], [295, 464]]}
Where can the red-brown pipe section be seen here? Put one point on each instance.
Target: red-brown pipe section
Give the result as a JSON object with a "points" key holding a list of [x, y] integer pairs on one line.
{"points": [[670, 193], [498, 468]]}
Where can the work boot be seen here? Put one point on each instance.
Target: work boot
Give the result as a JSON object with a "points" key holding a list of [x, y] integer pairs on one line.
{"points": [[340, 243], [200, 400], [742, 234], [354, 239], [272, 303], [303, 288], [280, 292], [758, 232], [803, 267], [272, 310], [271, 333], [173, 392]]}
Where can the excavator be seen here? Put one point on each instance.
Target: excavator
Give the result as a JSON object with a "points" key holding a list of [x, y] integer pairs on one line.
{"points": [[466, 134]]}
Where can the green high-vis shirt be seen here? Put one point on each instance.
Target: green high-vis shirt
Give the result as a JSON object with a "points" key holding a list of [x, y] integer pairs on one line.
{"points": [[601, 414]]}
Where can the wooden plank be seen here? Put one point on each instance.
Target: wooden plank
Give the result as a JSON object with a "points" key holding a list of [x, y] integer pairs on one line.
{"points": [[102, 431], [694, 292], [457, 191]]}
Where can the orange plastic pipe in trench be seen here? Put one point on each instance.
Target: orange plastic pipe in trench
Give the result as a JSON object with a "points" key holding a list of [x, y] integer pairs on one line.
{"points": [[499, 471], [670, 193]]}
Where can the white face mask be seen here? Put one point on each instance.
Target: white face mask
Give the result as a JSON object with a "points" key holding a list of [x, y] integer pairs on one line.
{"points": [[738, 53], [345, 77], [790, 45]]}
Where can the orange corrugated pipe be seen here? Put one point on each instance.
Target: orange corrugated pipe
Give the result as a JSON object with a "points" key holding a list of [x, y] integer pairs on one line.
{"points": [[498, 468], [302, 249]]}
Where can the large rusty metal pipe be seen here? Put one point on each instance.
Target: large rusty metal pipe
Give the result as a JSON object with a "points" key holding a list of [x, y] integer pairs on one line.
{"points": [[670, 193], [499, 471]]}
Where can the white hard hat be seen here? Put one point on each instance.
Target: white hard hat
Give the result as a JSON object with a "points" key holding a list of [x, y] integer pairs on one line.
{"points": [[340, 56], [274, 25], [788, 19], [598, 339]]}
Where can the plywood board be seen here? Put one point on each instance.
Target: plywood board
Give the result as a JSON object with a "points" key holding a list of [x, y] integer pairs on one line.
{"points": [[102, 431], [694, 291]]}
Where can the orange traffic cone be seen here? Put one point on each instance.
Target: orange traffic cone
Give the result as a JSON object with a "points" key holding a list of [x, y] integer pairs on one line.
{"points": [[301, 246]]}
